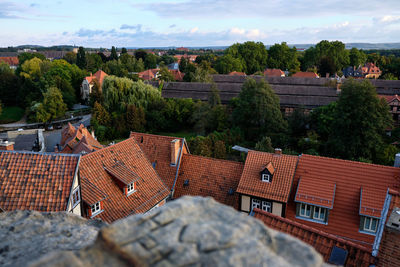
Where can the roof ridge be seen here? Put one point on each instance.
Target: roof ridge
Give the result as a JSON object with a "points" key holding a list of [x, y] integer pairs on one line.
{"points": [[39, 153], [351, 161], [107, 147], [214, 159], [157, 135], [271, 153]]}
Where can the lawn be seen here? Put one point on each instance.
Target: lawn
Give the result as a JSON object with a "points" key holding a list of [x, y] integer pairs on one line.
{"points": [[11, 114]]}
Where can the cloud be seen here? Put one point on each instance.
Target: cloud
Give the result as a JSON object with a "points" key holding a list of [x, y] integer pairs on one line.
{"points": [[204, 9], [386, 20], [194, 30], [137, 27], [34, 5], [172, 26]]}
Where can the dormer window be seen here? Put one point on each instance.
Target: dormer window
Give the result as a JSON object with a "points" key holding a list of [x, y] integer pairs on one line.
{"points": [[267, 172], [130, 188], [95, 209], [265, 177], [369, 224]]}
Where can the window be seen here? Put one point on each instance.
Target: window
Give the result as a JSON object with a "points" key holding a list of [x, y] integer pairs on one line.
{"points": [[370, 224], [266, 205], [76, 198], [95, 208], [265, 177], [319, 213], [255, 203], [305, 210], [131, 188]]}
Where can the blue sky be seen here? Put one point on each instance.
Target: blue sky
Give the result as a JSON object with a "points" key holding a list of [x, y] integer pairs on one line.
{"points": [[124, 23]]}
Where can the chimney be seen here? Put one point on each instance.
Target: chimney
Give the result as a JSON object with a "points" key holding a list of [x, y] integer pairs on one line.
{"points": [[278, 151], [175, 146], [397, 160], [5, 145]]}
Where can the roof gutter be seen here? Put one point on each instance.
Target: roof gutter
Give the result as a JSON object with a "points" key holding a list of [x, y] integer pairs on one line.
{"points": [[177, 168]]}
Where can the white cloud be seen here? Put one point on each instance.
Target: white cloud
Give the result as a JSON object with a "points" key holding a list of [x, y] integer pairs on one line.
{"points": [[194, 30]]}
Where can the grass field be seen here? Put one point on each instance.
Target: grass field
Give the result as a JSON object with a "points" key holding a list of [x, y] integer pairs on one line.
{"points": [[11, 114]]}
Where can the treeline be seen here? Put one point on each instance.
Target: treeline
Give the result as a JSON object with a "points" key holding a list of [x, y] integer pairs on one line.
{"points": [[343, 129]]}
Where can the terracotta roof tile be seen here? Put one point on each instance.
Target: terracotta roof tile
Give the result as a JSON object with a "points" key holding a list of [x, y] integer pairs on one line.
{"points": [[122, 172], [150, 190], [158, 150], [99, 76], [78, 140], [319, 193], [201, 176], [91, 193], [274, 73], [303, 74], [11, 61], [371, 201], [279, 189], [349, 177], [237, 73], [323, 242], [36, 181]]}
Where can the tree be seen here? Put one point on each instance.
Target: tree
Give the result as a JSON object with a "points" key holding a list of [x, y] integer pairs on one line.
{"points": [[357, 57], [70, 57], [113, 55], [81, 58], [124, 51], [1, 107], [93, 62], [166, 75], [257, 110], [219, 150], [135, 118], [52, 106], [254, 55], [359, 122], [227, 63], [264, 145], [140, 54], [150, 61], [27, 56], [100, 114], [281, 56], [326, 66], [214, 98]]}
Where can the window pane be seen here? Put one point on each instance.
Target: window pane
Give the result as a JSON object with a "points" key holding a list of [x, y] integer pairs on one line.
{"points": [[308, 210], [302, 209], [373, 225], [367, 223], [316, 212]]}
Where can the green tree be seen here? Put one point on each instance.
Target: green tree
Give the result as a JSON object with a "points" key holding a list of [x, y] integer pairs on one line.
{"points": [[32, 69], [140, 54], [166, 75], [52, 106], [81, 58], [359, 122], [100, 114], [124, 51], [70, 57], [93, 62], [135, 118], [357, 57], [219, 150], [227, 63], [257, 110], [27, 56], [281, 56], [264, 145], [254, 55], [113, 55], [150, 61]]}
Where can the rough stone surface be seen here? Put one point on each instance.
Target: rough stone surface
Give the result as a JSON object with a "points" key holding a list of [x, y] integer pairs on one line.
{"points": [[189, 232], [27, 235]]}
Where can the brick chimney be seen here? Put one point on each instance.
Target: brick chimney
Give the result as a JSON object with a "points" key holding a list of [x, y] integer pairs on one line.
{"points": [[278, 151], [175, 147], [5, 145]]}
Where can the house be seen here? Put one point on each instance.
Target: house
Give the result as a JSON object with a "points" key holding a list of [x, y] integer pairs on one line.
{"points": [[344, 198], [150, 74], [394, 103], [266, 182], [274, 73], [178, 76], [352, 72], [305, 74], [89, 81], [191, 58], [173, 66], [236, 73], [77, 140], [202, 176], [370, 71], [118, 181], [47, 182], [10, 61], [334, 249], [182, 49]]}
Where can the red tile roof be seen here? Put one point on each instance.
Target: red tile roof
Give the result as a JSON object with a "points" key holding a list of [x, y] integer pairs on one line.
{"points": [[150, 190], [178, 76], [274, 73], [319, 193], [370, 68], [305, 74], [349, 177], [36, 181], [99, 76], [148, 74], [11, 61], [323, 242], [78, 140], [370, 205], [236, 73], [390, 98], [91, 192], [279, 189], [209, 177], [122, 172], [158, 150], [188, 57]]}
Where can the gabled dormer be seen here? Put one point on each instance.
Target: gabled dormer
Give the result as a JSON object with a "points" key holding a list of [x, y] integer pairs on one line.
{"points": [[267, 173]]}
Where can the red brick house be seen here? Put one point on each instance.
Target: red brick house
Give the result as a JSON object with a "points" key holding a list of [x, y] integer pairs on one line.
{"points": [[47, 182], [118, 181]]}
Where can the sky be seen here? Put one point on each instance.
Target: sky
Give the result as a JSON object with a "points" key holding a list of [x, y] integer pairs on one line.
{"points": [[161, 23]]}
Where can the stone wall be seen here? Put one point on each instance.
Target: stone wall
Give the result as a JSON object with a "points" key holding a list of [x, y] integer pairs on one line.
{"points": [[190, 231]]}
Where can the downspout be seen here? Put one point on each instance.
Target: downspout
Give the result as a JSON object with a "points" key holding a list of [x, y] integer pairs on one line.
{"points": [[177, 169], [378, 237]]}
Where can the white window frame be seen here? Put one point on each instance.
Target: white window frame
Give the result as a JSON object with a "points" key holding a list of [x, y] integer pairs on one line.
{"points": [[306, 206], [266, 206], [95, 208], [76, 197], [320, 211], [266, 177], [130, 188], [255, 203], [368, 226]]}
